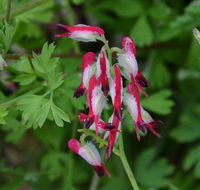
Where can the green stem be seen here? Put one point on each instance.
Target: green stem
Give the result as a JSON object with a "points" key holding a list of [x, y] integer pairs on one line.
{"points": [[12, 101], [125, 164], [24, 8], [8, 11], [103, 39], [94, 182], [101, 141]]}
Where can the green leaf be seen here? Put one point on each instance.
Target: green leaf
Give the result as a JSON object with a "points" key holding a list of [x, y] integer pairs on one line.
{"points": [[160, 75], [23, 65], [127, 8], [6, 33], [43, 113], [193, 7], [43, 63], [25, 79], [160, 12], [55, 80], [34, 109], [193, 61], [2, 63], [3, 98], [159, 103], [193, 159], [175, 28], [42, 13], [50, 135], [54, 163], [188, 129], [3, 113], [151, 172], [141, 32], [59, 115]]}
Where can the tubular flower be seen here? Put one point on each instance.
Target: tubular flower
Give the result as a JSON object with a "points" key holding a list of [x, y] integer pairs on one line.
{"points": [[90, 154], [116, 90], [103, 70], [127, 59], [112, 135], [116, 95], [81, 32], [97, 81], [147, 121], [97, 102], [87, 61]]}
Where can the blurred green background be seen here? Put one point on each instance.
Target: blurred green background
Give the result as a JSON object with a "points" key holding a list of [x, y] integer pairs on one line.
{"points": [[168, 54]]}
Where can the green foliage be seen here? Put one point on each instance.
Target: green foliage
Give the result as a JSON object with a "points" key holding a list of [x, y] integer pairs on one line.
{"points": [[193, 159], [52, 163], [159, 103], [188, 129], [3, 113], [142, 32], [152, 172], [36, 108], [159, 70], [6, 32]]}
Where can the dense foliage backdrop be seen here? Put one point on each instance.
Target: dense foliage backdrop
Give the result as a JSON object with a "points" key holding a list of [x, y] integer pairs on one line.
{"points": [[34, 127]]}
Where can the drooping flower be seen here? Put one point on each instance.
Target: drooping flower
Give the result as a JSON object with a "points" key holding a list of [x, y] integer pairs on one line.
{"points": [[87, 61], [116, 90], [133, 90], [127, 59], [81, 32], [103, 70], [90, 154], [97, 102], [112, 135], [146, 120]]}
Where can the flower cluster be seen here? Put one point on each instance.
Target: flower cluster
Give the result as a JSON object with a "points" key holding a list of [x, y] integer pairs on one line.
{"points": [[97, 81]]}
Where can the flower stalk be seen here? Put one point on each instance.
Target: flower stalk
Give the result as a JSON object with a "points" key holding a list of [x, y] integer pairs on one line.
{"points": [[126, 164]]}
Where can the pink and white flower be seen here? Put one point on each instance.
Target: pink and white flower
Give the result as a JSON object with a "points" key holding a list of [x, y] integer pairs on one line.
{"points": [[103, 70], [97, 102], [112, 135], [146, 120], [127, 59], [81, 32], [90, 154], [116, 90], [88, 71]]}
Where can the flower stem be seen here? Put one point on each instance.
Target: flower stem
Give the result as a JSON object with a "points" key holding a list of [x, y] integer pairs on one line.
{"points": [[24, 8], [126, 165], [12, 101], [8, 11]]}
